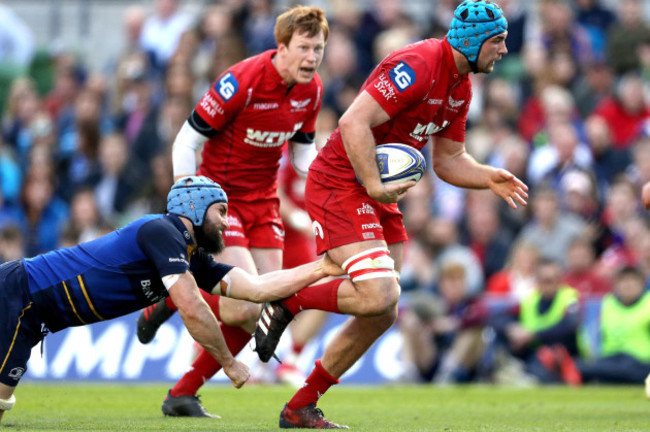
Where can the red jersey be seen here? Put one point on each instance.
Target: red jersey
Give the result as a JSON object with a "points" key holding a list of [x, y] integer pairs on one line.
{"points": [[421, 90], [255, 112]]}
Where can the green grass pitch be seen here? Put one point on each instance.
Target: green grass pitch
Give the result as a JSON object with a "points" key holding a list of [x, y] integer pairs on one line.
{"points": [[126, 407]]}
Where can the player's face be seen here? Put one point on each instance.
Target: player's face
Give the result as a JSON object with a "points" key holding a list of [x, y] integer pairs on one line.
{"points": [[302, 57], [491, 52], [210, 235]]}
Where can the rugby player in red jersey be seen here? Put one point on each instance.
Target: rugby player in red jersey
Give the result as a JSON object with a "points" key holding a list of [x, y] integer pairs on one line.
{"points": [[243, 122], [419, 92]]}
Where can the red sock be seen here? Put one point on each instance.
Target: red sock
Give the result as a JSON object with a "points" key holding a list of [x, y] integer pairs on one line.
{"points": [[205, 366], [297, 348], [322, 297], [211, 300], [316, 384]]}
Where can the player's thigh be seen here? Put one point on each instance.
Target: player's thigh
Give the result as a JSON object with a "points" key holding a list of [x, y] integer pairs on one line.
{"points": [[267, 259], [378, 293], [238, 256]]}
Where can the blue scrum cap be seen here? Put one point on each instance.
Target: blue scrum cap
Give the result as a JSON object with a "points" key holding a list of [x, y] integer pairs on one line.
{"points": [[191, 196], [474, 22]]}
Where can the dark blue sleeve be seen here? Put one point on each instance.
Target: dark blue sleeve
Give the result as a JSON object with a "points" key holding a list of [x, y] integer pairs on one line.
{"points": [[164, 246], [207, 271]]}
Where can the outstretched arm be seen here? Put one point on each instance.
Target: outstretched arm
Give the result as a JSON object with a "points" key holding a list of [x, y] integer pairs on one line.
{"points": [[278, 284], [204, 327], [455, 166]]}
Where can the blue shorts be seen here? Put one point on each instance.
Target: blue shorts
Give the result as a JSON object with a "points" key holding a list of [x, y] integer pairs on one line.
{"points": [[20, 328]]}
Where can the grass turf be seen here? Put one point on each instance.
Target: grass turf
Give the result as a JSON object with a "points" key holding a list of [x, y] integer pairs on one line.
{"points": [[125, 407]]}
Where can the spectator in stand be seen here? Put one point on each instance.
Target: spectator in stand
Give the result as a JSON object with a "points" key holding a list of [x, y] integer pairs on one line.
{"points": [[258, 27], [113, 184], [133, 20], [579, 198], [162, 31], [563, 154], [442, 332], [81, 163], [517, 279], [546, 324], [581, 270], [43, 214], [597, 20], [553, 104], [11, 178], [85, 216], [609, 161], [624, 333], [561, 33], [551, 230], [441, 236], [626, 36], [341, 69], [625, 112], [17, 47], [639, 170], [152, 197], [219, 46], [592, 86], [484, 235], [621, 208], [12, 244]]}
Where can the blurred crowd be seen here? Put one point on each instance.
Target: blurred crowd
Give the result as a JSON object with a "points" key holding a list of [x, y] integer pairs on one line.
{"points": [[489, 293]]}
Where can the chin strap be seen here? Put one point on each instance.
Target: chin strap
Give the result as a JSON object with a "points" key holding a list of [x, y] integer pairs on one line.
{"points": [[7, 404]]}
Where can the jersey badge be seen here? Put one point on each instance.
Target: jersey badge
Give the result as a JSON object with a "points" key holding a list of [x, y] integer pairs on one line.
{"points": [[454, 103], [402, 75], [227, 86], [299, 105]]}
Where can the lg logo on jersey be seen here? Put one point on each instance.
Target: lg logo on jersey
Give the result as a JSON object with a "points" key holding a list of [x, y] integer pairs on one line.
{"points": [[227, 86], [403, 76]]}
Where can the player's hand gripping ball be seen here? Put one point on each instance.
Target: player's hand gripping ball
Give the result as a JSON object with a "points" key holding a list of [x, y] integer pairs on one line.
{"points": [[399, 163]]}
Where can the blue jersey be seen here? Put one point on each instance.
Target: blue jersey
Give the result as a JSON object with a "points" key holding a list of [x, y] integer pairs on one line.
{"points": [[116, 274]]}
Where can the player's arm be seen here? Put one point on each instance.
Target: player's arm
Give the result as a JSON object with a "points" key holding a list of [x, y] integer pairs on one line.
{"points": [[275, 285], [356, 131], [203, 326], [193, 135], [453, 164], [302, 152]]}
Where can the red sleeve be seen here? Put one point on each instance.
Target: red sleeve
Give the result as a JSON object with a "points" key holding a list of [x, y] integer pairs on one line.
{"points": [[398, 83], [223, 101]]}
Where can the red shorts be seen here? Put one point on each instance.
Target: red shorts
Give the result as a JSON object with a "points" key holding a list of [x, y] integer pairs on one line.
{"points": [[343, 213], [254, 224], [301, 249]]}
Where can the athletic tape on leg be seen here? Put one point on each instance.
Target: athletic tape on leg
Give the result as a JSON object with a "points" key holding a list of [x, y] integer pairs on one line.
{"points": [[370, 264], [7, 404]]}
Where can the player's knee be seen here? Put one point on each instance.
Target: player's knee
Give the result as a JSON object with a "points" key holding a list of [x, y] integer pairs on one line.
{"points": [[373, 273], [381, 298], [7, 404], [243, 314]]}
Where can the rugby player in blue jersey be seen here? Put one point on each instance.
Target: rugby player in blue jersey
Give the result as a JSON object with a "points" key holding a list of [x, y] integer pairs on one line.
{"points": [[131, 268]]}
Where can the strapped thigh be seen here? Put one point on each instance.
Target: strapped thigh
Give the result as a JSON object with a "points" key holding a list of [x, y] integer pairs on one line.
{"points": [[370, 264]]}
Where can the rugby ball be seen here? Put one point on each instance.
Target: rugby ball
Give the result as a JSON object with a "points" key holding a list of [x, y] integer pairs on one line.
{"points": [[399, 163]]}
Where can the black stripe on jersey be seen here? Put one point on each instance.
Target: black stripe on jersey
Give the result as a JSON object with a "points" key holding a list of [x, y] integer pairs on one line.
{"points": [[200, 125], [303, 137]]}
